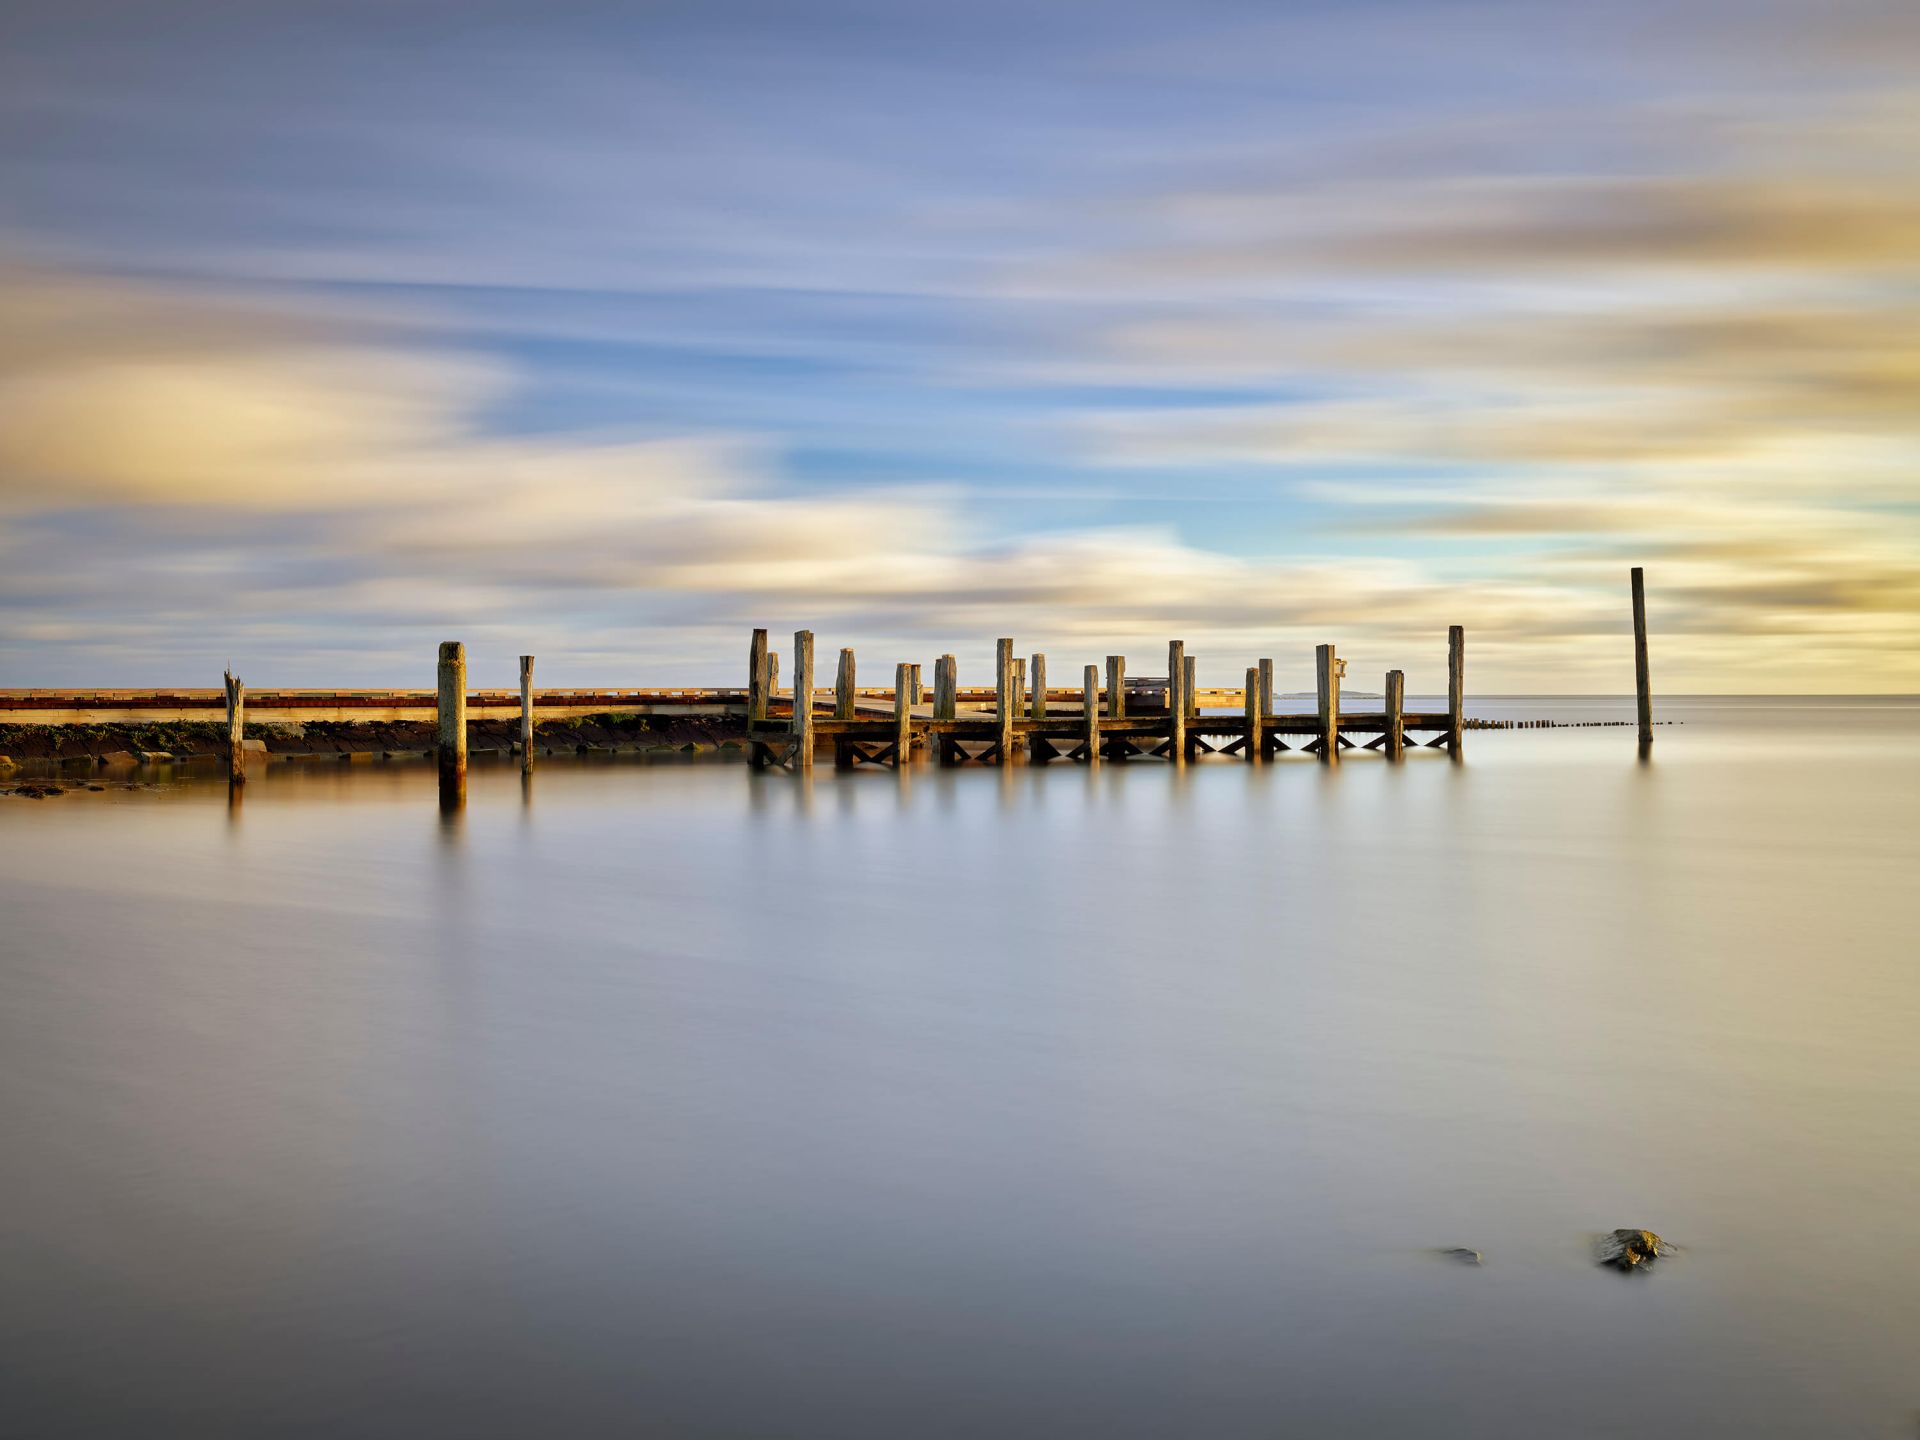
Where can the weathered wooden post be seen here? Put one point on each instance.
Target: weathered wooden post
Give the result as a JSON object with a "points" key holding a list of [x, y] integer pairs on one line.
{"points": [[902, 715], [1266, 687], [1642, 682], [1090, 701], [526, 712], [1177, 701], [756, 680], [1456, 688], [946, 684], [1005, 699], [773, 675], [1256, 742], [843, 688], [453, 722], [1190, 687], [236, 731], [1037, 706], [1396, 714], [1116, 687], [918, 693], [802, 723], [1326, 671]]}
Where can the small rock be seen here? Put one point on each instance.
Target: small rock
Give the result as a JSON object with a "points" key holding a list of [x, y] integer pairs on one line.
{"points": [[1631, 1249], [1462, 1254]]}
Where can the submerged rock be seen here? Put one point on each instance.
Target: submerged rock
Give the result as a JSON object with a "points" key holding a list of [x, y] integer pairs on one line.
{"points": [[1631, 1249], [1463, 1255]]}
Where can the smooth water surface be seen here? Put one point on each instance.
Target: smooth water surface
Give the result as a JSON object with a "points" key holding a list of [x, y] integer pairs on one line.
{"points": [[667, 1099]]}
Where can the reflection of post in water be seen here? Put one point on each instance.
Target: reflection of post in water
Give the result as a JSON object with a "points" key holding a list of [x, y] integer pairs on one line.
{"points": [[526, 788], [236, 793], [452, 716]]}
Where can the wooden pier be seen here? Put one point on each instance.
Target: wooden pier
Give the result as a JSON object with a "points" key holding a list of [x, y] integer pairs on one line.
{"points": [[1168, 718]]}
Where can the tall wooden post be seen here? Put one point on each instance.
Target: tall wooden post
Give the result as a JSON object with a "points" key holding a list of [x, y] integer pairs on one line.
{"points": [[843, 688], [1456, 688], [917, 694], [1256, 742], [1005, 700], [526, 713], [1037, 707], [236, 731], [1116, 687], [946, 682], [453, 722], [802, 723], [1190, 687], [1266, 687], [1326, 674], [1642, 682], [756, 680], [1090, 714], [902, 715], [1396, 714], [1177, 701]]}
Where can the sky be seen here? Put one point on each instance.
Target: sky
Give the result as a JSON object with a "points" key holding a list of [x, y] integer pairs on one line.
{"points": [[605, 332]]}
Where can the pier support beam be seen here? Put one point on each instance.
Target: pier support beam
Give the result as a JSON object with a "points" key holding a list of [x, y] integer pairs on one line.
{"points": [[902, 715], [1177, 701], [1006, 701], [236, 731], [526, 714], [1090, 714], [946, 685], [1456, 688], [1256, 750], [1642, 682], [1396, 710], [801, 725], [452, 723], [1326, 674]]}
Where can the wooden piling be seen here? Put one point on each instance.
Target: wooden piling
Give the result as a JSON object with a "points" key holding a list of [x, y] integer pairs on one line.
{"points": [[1037, 706], [843, 688], [1191, 687], [1456, 687], [1396, 712], [756, 679], [802, 723], [1256, 750], [1116, 687], [236, 731], [1642, 682], [1005, 699], [1090, 701], [773, 675], [1177, 701], [452, 722], [902, 715], [526, 713], [945, 685], [1266, 687], [917, 693], [1326, 674]]}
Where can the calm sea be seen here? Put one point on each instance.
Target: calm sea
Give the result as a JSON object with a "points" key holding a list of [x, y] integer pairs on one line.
{"points": [[666, 1099]]}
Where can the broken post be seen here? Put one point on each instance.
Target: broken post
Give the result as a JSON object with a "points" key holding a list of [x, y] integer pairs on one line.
{"points": [[801, 725], [1396, 712], [236, 731], [526, 713], [1642, 682], [453, 722], [1456, 687]]}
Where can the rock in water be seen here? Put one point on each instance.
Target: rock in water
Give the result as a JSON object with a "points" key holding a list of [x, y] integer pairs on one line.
{"points": [[1462, 1254], [1631, 1249]]}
